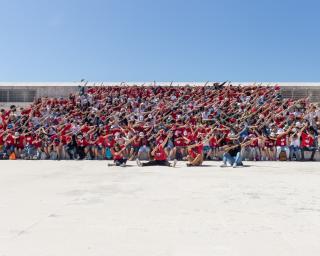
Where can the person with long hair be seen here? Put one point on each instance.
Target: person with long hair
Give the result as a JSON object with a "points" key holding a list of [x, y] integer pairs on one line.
{"points": [[118, 153]]}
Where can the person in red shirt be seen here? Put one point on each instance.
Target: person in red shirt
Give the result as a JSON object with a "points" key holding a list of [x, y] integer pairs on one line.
{"points": [[65, 138], [195, 153], [214, 144], [135, 146], [282, 142], [254, 148], [159, 155], [269, 146], [118, 153], [19, 143], [180, 144], [308, 143], [82, 146], [9, 143], [1, 141], [99, 146]]}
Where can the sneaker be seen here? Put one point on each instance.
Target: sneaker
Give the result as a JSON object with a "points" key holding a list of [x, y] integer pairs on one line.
{"points": [[223, 165], [138, 162], [123, 165], [175, 161], [234, 165]]}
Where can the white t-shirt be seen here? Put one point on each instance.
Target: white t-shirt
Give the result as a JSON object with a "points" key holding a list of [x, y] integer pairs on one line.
{"points": [[295, 142]]}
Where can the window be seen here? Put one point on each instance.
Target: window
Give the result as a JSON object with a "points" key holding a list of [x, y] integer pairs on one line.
{"points": [[17, 95]]}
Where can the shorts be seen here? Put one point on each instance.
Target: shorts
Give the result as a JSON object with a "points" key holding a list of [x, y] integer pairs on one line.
{"points": [[144, 149], [206, 149], [99, 147], [136, 149], [169, 145]]}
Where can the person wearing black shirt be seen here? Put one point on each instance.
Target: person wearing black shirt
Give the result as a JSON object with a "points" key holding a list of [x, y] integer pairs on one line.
{"points": [[232, 154], [72, 147]]}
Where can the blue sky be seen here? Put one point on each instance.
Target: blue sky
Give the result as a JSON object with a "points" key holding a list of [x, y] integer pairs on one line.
{"points": [[165, 40]]}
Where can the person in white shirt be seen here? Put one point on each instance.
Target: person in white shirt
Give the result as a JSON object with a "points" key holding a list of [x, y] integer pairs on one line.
{"points": [[295, 147]]}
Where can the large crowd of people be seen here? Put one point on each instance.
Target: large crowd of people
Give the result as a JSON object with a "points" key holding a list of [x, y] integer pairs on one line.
{"points": [[160, 124]]}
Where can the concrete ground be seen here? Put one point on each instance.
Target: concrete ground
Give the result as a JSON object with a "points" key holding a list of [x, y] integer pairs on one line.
{"points": [[75, 208]]}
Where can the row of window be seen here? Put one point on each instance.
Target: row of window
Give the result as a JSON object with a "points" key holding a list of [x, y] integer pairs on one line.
{"points": [[17, 95], [23, 95]]}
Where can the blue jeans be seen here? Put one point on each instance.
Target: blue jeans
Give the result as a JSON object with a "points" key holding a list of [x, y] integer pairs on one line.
{"points": [[8, 149], [29, 151], [312, 149], [227, 158], [296, 151]]}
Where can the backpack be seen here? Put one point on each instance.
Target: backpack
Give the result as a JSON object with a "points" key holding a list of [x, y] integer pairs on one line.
{"points": [[283, 156], [108, 153], [12, 156]]}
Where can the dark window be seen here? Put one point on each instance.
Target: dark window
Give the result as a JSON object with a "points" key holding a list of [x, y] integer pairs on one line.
{"points": [[3, 95], [17, 95]]}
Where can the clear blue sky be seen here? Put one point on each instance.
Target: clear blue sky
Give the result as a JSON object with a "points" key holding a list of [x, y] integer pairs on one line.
{"points": [[164, 40]]}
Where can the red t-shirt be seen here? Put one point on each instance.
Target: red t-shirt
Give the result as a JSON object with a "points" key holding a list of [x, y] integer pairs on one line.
{"points": [[82, 143], [19, 142], [66, 128], [10, 140], [269, 143], [110, 143], [160, 154], [179, 142], [1, 139], [119, 156], [85, 129], [191, 137], [282, 141], [65, 139], [213, 142], [37, 143], [160, 139], [199, 149], [136, 142], [193, 152], [306, 140], [29, 139], [254, 143], [101, 141]]}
